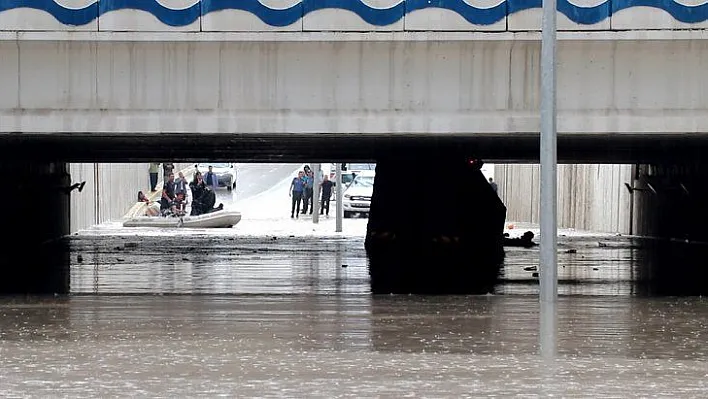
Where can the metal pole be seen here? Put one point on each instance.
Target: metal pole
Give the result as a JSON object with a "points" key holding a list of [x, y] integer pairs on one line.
{"points": [[316, 193], [548, 269], [340, 196]]}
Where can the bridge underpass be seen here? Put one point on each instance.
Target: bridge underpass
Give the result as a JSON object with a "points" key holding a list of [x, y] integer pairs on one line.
{"points": [[97, 95], [667, 197]]}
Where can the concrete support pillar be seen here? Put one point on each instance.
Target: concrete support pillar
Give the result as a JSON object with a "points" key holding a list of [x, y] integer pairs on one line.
{"points": [[671, 203], [434, 228], [35, 260]]}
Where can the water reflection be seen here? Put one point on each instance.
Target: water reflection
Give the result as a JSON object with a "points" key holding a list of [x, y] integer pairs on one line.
{"points": [[221, 265], [482, 325], [612, 266], [208, 264], [323, 345]]}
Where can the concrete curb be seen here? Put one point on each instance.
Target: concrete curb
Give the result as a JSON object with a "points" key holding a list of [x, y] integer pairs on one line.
{"points": [[138, 209]]}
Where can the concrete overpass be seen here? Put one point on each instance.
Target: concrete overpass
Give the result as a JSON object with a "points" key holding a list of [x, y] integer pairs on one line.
{"points": [[348, 67], [439, 80]]}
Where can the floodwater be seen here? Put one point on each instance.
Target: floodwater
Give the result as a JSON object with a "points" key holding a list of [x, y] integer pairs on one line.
{"points": [[238, 314]]}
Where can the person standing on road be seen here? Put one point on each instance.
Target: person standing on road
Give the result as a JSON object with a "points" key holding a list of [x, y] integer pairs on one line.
{"points": [[154, 171], [326, 194], [297, 186], [167, 168], [211, 179], [309, 192], [494, 185]]}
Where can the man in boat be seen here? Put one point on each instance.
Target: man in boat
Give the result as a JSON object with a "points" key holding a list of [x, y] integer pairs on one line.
{"points": [[203, 197], [179, 205], [168, 193], [151, 208], [181, 184]]}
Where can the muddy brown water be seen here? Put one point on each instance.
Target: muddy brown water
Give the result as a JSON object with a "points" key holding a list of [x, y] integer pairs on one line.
{"points": [[261, 317]]}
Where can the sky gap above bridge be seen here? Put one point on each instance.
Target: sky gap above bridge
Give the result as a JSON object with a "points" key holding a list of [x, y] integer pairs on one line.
{"points": [[346, 15]]}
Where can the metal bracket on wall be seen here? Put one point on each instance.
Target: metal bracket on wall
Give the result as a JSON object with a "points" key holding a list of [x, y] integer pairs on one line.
{"points": [[654, 190], [633, 189]]}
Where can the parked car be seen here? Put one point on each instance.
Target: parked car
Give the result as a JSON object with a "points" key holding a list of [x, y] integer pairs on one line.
{"points": [[357, 197], [348, 175], [360, 167], [225, 173]]}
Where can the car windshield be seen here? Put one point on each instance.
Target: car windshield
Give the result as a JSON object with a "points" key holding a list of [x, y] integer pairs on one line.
{"points": [[347, 178], [362, 166], [215, 165], [363, 181]]}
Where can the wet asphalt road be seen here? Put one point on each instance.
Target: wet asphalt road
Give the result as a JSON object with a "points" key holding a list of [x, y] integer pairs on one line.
{"points": [[278, 315]]}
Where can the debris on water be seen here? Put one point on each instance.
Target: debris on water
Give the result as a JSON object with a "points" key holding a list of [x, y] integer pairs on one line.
{"points": [[120, 259], [344, 265], [79, 258], [571, 251], [601, 244], [594, 268], [118, 248], [534, 274], [185, 258], [131, 244], [531, 268], [274, 238]]}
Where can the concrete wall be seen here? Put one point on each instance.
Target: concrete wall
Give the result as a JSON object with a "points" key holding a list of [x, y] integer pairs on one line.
{"points": [[461, 87], [590, 197], [344, 15], [110, 191]]}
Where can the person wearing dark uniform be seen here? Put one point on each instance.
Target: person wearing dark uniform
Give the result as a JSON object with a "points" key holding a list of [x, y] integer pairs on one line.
{"points": [[297, 186], [326, 194], [203, 197], [494, 185]]}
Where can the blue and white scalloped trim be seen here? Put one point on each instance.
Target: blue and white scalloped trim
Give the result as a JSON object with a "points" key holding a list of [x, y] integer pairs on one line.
{"points": [[188, 12]]}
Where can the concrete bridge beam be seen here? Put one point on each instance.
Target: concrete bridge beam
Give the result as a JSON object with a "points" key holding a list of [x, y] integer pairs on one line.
{"points": [[463, 87]]}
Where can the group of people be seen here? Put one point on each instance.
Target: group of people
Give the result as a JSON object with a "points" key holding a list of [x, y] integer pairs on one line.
{"points": [[211, 179], [173, 201], [302, 192]]}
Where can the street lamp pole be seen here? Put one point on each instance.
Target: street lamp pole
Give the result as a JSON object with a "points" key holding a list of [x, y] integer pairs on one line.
{"points": [[316, 193], [548, 252], [339, 190]]}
